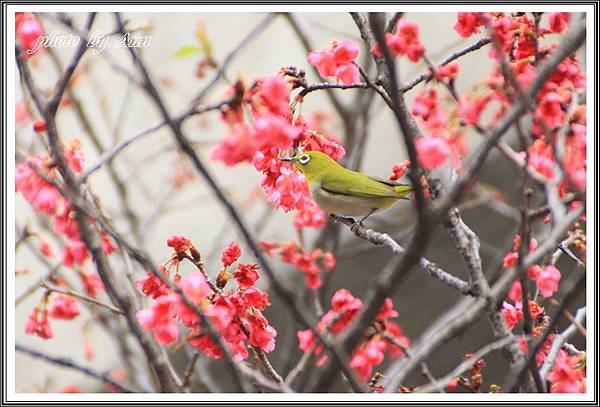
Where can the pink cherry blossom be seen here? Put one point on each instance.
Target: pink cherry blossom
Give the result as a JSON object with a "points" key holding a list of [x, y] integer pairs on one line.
{"points": [[547, 280], [63, 307], [432, 152]]}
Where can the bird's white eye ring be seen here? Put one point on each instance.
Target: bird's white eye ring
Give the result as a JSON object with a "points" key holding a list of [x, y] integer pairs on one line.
{"points": [[304, 159]]}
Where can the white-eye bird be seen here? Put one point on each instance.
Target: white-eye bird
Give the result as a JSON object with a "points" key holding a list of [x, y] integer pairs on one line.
{"points": [[340, 191]]}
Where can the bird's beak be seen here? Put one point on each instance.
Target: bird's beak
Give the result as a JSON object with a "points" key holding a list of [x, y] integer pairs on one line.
{"points": [[288, 159]]}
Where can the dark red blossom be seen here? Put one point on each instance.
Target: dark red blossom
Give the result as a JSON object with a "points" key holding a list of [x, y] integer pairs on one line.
{"points": [[246, 275], [568, 374], [468, 24], [38, 325], [558, 22], [231, 254], [152, 286], [179, 243], [63, 307], [398, 170]]}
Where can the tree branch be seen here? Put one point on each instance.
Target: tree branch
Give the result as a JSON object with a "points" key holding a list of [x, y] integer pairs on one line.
{"points": [[82, 297], [465, 365], [66, 363], [380, 239]]}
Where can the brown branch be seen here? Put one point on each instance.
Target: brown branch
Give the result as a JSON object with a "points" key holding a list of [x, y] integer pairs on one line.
{"points": [[545, 210], [465, 365], [110, 154], [467, 243], [391, 25], [122, 191], [61, 85], [380, 239], [424, 368], [71, 293], [404, 119], [452, 57], [268, 366], [194, 108], [220, 74], [35, 286], [66, 363], [189, 371]]}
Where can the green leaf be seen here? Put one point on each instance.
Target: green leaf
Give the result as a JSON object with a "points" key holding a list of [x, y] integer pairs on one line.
{"points": [[186, 51]]}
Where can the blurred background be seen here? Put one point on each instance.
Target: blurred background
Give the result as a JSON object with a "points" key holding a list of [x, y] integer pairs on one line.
{"points": [[149, 171]]}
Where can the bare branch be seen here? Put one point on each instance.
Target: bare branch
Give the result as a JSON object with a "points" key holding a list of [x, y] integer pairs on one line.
{"points": [[71, 293], [465, 365], [380, 239], [452, 57], [66, 363]]}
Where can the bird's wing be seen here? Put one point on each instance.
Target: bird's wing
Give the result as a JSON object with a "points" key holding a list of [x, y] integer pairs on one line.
{"points": [[357, 184], [388, 182], [401, 189]]}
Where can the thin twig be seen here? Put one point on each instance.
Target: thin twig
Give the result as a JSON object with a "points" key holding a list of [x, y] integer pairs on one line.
{"points": [[71, 293], [450, 58], [66, 363], [189, 371], [380, 239], [466, 364]]}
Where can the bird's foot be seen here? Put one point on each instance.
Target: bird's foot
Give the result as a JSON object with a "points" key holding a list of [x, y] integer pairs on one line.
{"points": [[343, 219], [356, 225]]}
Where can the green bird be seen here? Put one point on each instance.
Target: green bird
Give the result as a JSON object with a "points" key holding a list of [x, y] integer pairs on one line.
{"points": [[338, 190]]}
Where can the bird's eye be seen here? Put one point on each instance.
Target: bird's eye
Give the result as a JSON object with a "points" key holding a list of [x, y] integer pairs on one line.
{"points": [[304, 159]]}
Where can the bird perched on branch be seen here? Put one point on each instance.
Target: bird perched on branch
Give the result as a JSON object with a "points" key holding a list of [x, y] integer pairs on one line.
{"points": [[340, 191]]}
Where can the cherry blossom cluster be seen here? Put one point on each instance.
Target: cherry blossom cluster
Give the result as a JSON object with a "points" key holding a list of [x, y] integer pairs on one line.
{"points": [[237, 314], [546, 280], [34, 180], [337, 61], [444, 140], [371, 351], [272, 128], [310, 263], [557, 110], [568, 374], [62, 307], [405, 41], [553, 114], [475, 380]]}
